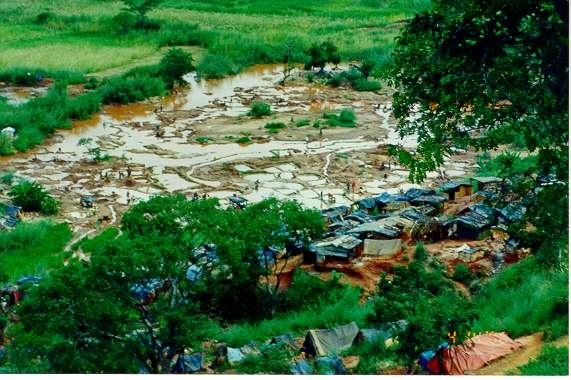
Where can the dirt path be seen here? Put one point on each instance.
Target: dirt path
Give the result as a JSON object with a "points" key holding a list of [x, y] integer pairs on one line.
{"points": [[531, 349]]}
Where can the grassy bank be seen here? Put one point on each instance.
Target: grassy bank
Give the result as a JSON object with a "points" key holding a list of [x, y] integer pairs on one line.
{"points": [[523, 299], [83, 36], [32, 248]]}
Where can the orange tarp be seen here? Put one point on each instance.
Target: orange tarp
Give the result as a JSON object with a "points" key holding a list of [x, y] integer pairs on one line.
{"points": [[477, 352]]}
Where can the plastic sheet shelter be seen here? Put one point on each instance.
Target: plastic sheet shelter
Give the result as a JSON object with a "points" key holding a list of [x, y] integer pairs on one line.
{"points": [[331, 341], [473, 354]]}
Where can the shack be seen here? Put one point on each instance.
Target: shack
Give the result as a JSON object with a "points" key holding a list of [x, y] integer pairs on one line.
{"points": [[487, 183], [344, 247], [457, 189], [472, 221], [335, 214], [376, 230]]}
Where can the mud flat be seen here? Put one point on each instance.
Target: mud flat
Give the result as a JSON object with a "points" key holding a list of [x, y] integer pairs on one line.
{"points": [[189, 143]]}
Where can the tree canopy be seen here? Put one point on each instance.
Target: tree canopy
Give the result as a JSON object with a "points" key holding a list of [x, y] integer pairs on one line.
{"points": [[487, 74], [158, 289]]}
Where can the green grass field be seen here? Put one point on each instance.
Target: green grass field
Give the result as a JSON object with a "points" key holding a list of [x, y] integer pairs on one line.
{"points": [[82, 36], [32, 248]]}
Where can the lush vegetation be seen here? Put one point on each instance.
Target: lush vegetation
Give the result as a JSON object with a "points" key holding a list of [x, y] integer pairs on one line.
{"points": [[259, 109], [552, 361], [421, 294], [525, 298], [32, 196], [32, 248], [91, 36], [450, 60], [134, 301], [345, 118]]}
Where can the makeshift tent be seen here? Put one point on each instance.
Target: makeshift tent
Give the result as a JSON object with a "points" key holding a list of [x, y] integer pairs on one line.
{"points": [[473, 354], [382, 248], [330, 365], [189, 363], [301, 367], [285, 339], [332, 341]]}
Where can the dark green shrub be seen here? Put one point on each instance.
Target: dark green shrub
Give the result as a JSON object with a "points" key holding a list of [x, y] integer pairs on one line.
{"points": [[336, 80], [83, 106], [6, 147], [131, 89], [91, 83], [43, 18], [214, 66], [420, 252], [462, 274], [7, 178], [32, 196], [275, 125], [244, 140], [273, 360], [124, 22], [345, 118], [366, 85], [303, 284], [259, 109], [174, 65], [319, 54], [302, 122], [22, 76]]}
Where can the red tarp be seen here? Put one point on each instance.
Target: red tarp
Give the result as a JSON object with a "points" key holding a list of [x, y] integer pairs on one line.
{"points": [[477, 352]]}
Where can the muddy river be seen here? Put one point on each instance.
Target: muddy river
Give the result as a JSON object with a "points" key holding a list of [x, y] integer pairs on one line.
{"points": [[200, 142]]}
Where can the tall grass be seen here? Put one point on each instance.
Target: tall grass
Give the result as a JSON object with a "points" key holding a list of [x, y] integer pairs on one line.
{"points": [[32, 248], [525, 298], [344, 308]]}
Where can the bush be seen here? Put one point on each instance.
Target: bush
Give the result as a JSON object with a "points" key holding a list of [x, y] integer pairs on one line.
{"points": [[302, 122], [22, 76], [43, 18], [124, 90], [83, 106], [462, 274], [214, 66], [275, 125], [259, 109], [552, 361], [244, 140], [366, 85], [7, 178], [420, 252], [32, 196], [273, 360], [6, 147], [174, 65], [346, 118], [124, 22], [336, 80]]}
